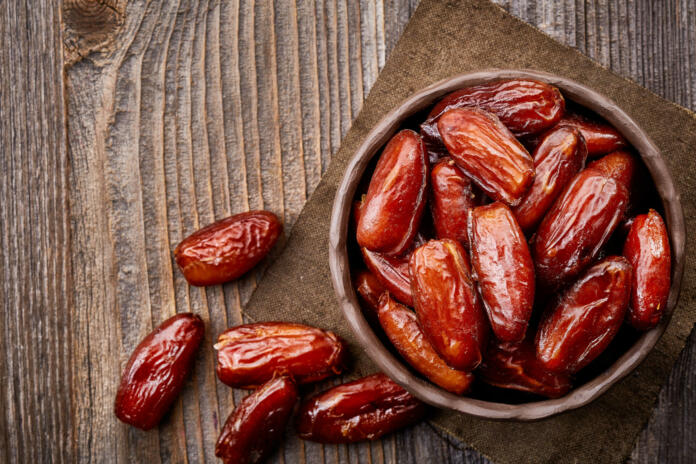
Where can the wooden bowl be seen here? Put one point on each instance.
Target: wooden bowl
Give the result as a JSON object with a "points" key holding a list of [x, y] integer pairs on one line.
{"points": [[398, 370]]}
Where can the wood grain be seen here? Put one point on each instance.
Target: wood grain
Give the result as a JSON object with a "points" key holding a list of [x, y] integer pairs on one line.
{"points": [[35, 266], [183, 111]]}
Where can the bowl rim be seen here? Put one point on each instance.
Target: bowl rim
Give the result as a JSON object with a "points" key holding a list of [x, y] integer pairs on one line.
{"points": [[396, 368]]}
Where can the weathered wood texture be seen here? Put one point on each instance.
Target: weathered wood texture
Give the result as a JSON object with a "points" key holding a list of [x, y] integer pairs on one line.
{"points": [[183, 111], [35, 293]]}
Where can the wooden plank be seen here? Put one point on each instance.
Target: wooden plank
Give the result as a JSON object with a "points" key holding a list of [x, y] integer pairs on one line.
{"points": [[35, 265]]}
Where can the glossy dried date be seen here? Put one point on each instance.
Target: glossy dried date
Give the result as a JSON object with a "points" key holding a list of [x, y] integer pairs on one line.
{"points": [[393, 206], [392, 272], [647, 249], [447, 303], [600, 138], [257, 425], [487, 153], [586, 318], [619, 165], [251, 354], [577, 226], [364, 409], [156, 371], [504, 269], [369, 288], [515, 366], [559, 157], [402, 329], [227, 249], [524, 106], [452, 198]]}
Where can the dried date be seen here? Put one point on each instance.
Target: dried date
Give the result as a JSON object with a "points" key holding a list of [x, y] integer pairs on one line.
{"points": [[257, 425], [452, 198], [392, 209], [515, 366], [156, 371], [364, 409], [586, 317], [251, 354], [447, 303], [580, 222], [487, 153], [227, 249], [504, 269], [600, 138], [647, 249], [559, 157], [524, 106], [401, 327], [392, 272], [369, 288], [619, 165]]}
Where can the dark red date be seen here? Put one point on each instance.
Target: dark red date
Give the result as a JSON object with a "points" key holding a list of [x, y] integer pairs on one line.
{"points": [[619, 165], [647, 249], [504, 269], [369, 288], [251, 354], [600, 137], [577, 226], [364, 409], [487, 153], [515, 366], [524, 106], [156, 371], [257, 425], [392, 272], [396, 197], [227, 249], [452, 198], [586, 318], [447, 303], [402, 329], [559, 157]]}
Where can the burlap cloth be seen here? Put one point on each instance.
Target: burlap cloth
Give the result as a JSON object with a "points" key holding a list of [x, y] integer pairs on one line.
{"points": [[450, 37]]}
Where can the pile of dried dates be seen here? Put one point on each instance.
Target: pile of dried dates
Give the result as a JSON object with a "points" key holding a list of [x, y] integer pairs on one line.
{"points": [[272, 358], [536, 249], [509, 274]]}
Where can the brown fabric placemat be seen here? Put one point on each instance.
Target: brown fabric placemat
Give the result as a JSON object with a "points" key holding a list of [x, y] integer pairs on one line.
{"points": [[450, 37]]}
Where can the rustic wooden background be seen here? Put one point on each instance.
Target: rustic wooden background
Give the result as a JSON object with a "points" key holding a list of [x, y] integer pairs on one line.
{"points": [[124, 126]]}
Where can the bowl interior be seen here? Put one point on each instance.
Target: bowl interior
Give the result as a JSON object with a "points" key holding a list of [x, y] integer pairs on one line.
{"points": [[629, 347]]}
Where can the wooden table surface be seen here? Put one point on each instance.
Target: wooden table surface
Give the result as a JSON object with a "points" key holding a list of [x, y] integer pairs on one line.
{"points": [[127, 125]]}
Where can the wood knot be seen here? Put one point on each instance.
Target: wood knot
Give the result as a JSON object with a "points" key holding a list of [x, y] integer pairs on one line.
{"points": [[90, 26]]}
